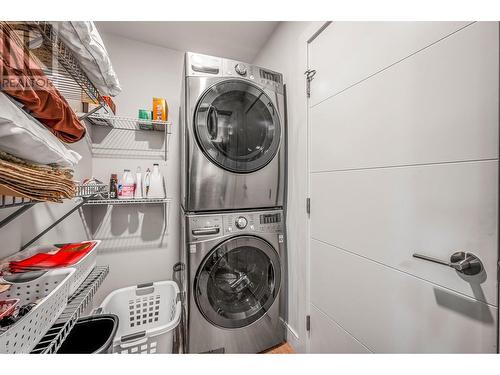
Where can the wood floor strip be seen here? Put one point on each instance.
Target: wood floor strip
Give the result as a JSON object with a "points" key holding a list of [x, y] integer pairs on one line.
{"points": [[280, 349]]}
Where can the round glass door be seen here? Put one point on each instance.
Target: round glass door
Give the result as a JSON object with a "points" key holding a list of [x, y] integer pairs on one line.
{"points": [[238, 282], [237, 126]]}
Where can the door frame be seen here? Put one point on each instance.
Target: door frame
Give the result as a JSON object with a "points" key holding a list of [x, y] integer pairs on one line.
{"points": [[312, 37]]}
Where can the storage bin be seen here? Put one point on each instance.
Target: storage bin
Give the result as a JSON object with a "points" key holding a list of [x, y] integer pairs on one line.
{"points": [[83, 267], [91, 335], [51, 290], [148, 315]]}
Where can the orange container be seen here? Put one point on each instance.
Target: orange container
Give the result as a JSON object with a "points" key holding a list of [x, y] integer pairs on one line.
{"points": [[160, 109]]}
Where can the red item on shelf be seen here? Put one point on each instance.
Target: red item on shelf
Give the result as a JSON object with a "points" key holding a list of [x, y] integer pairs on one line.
{"points": [[110, 103], [67, 255], [7, 307]]}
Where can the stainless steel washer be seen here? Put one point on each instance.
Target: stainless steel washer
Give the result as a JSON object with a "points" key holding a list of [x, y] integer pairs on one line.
{"points": [[233, 154], [234, 283]]}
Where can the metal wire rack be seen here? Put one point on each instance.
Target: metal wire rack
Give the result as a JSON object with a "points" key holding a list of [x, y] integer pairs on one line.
{"points": [[127, 201], [77, 303], [71, 67], [89, 190], [106, 143], [9, 202], [129, 123]]}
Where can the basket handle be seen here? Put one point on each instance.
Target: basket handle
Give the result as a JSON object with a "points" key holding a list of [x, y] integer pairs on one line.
{"points": [[143, 289], [133, 339]]}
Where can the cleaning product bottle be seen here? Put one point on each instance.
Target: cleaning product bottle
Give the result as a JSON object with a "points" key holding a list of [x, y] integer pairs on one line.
{"points": [[113, 186], [119, 194], [147, 180], [156, 183], [128, 184], [138, 184]]}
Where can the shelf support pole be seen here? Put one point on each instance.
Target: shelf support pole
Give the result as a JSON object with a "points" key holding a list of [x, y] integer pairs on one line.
{"points": [[80, 204], [85, 115], [15, 214]]}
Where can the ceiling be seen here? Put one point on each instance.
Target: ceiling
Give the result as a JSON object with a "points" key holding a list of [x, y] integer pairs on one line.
{"points": [[237, 40]]}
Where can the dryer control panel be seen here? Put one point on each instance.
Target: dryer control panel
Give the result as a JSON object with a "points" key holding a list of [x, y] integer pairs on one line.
{"points": [[198, 65]]}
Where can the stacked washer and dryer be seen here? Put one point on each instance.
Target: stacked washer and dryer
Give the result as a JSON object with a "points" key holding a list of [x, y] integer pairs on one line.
{"points": [[233, 187]]}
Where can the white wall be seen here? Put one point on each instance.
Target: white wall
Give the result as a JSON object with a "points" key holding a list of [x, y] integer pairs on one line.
{"points": [[136, 245], [285, 52]]}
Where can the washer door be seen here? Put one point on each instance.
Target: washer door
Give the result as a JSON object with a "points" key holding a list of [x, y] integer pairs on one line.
{"points": [[238, 282], [237, 126]]}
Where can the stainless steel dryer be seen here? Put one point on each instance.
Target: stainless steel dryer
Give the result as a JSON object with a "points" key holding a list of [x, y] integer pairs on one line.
{"points": [[234, 282], [233, 154]]}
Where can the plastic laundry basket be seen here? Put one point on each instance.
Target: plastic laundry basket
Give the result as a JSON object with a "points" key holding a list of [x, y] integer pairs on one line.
{"points": [[148, 315]]}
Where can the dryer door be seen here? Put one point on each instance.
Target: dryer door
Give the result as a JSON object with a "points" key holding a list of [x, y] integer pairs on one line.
{"points": [[237, 126], [238, 282]]}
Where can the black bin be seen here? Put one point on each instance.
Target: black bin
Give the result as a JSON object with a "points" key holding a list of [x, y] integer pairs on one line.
{"points": [[91, 334]]}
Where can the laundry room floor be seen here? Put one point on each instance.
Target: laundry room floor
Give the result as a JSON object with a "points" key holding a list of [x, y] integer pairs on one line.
{"points": [[280, 349]]}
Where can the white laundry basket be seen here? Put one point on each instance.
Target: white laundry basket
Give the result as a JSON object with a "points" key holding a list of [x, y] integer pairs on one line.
{"points": [[148, 315], [50, 291], [83, 267]]}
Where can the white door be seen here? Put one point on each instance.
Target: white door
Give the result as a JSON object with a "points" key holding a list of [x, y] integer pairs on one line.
{"points": [[403, 121]]}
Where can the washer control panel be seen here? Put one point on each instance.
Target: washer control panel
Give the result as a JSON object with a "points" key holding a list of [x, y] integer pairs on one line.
{"points": [[204, 227], [266, 222]]}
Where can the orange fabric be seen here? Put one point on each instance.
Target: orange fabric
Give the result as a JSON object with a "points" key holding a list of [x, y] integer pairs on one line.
{"points": [[22, 79]]}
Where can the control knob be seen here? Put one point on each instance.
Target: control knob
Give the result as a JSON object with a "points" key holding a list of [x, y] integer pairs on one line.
{"points": [[241, 69], [241, 222]]}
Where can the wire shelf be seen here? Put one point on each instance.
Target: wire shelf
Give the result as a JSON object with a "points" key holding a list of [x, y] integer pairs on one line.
{"points": [[9, 202], [77, 303], [127, 201], [72, 67], [129, 123]]}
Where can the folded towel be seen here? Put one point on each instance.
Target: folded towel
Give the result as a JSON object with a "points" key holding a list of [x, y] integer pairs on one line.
{"points": [[34, 181]]}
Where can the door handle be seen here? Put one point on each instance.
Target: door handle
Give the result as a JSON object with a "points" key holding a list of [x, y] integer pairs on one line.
{"points": [[213, 123], [205, 69], [205, 231], [462, 261]]}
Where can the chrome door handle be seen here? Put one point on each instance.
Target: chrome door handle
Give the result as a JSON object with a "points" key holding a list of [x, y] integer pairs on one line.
{"points": [[205, 69], [212, 122], [205, 231], [462, 261]]}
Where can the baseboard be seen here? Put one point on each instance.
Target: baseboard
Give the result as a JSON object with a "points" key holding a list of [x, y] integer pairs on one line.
{"points": [[292, 337]]}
